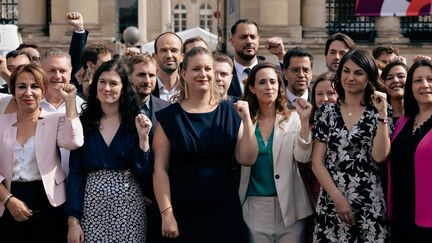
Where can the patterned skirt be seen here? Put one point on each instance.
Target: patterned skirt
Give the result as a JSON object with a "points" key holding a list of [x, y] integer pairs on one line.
{"points": [[114, 208]]}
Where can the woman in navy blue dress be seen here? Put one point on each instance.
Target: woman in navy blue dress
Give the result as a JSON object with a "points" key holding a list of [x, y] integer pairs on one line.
{"points": [[104, 200], [194, 145]]}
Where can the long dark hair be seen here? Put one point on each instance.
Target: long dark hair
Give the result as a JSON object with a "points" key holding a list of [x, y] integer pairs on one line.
{"points": [[364, 60], [410, 103], [128, 108], [281, 102]]}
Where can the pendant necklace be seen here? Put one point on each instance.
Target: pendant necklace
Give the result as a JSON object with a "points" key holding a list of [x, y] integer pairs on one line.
{"points": [[349, 113]]}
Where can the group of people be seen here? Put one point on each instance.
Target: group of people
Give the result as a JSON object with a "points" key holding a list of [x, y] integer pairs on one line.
{"points": [[193, 146]]}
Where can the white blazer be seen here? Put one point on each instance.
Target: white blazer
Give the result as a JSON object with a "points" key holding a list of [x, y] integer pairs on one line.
{"points": [[288, 149]]}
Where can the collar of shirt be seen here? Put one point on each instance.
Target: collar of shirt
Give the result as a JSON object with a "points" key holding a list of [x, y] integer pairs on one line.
{"points": [[47, 107], [239, 71], [292, 97], [164, 93]]}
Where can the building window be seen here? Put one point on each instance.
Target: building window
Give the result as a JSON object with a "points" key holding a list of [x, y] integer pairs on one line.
{"points": [[417, 28], [127, 14], [9, 11], [180, 13], [206, 17], [340, 18]]}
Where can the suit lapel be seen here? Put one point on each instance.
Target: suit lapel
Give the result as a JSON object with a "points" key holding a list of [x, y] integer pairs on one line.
{"points": [[277, 138]]}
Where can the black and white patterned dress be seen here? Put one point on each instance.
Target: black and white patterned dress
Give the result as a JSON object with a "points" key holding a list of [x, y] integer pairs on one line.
{"points": [[352, 168]]}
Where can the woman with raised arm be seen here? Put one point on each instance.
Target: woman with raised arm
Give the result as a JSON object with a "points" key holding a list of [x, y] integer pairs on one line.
{"points": [[32, 181], [105, 201], [351, 138], [194, 145]]}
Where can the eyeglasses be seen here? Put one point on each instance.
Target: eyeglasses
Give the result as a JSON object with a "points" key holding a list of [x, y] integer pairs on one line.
{"points": [[296, 71]]}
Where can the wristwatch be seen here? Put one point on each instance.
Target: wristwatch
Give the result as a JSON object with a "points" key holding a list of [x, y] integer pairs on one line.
{"points": [[383, 120]]}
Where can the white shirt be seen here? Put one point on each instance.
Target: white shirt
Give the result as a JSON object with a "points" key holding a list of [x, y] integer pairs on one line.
{"points": [[292, 97], [25, 166], [164, 94], [241, 75], [4, 102], [48, 108]]}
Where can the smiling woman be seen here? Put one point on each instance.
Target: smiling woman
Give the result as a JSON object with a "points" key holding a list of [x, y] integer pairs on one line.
{"points": [[32, 186]]}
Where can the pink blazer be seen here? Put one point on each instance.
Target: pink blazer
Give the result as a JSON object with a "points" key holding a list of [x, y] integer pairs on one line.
{"points": [[52, 130]]}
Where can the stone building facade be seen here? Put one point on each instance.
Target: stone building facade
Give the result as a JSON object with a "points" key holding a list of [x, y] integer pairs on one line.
{"points": [[297, 22]]}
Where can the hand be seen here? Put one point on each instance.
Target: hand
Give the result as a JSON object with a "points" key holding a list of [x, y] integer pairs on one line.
{"points": [[379, 101], [344, 210], [169, 225], [75, 234], [143, 125], [75, 19], [242, 108], [19, 210], [67, 92], [4, 72], [421, 57], [132, 51], [304, 109], [275, 46]]}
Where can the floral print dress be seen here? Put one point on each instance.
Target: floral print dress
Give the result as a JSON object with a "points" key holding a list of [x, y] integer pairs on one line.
{"points": [[352, 168]]}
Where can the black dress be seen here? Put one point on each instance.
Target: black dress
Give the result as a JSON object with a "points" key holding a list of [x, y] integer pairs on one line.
{"points": [[203, 193], [403, 185]]}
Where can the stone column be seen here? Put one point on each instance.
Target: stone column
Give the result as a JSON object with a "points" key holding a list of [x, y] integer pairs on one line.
{"points": [[389, 31], [57, 28], [314, 20], [90, 12], [142, 20], [166, 16], [280, 18], [32, 18]]}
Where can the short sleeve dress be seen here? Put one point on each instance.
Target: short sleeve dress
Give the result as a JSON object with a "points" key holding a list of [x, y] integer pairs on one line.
{"points": [[352, 168], [203, 193]]}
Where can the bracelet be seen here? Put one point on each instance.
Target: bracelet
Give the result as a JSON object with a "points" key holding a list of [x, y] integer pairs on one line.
{"points": [[163, 211], [72, 221], [6, 201]]}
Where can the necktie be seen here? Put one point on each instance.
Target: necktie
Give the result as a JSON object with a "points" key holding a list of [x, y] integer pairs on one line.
{"points": [[247, 71], [146, 111]]}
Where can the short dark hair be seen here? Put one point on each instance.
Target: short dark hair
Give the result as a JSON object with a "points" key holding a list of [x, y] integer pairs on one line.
{"points": [[364, 60], [15, 53], [220, 57], [166, 33], [339, 37], [410, 103], [92, 51], [327, 76], [242, 21], [193, 40], [27, 45], [379, 50], [389, 66], [297, 52]]}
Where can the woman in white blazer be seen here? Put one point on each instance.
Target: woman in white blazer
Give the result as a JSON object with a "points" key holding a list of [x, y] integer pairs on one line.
{"points": [[274, 197]]}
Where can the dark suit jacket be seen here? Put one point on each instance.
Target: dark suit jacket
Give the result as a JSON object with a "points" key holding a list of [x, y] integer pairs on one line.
{"points": [[156, 105], [76, 48]]}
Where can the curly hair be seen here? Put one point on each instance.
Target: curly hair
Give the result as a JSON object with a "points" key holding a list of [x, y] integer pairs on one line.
{"points": [[92, 111], [281, 102]]}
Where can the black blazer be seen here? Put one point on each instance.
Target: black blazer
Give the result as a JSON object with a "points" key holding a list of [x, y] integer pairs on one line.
{"points": [[76, 48]]}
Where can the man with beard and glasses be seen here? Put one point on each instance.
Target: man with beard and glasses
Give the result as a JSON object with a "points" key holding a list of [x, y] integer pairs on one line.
{"points": [[245, 42], [143, 70], [168, 55]]}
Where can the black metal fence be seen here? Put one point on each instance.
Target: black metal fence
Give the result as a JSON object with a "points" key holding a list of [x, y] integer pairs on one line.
{"points": [[8, 11], [340, 18], [417, 28]]}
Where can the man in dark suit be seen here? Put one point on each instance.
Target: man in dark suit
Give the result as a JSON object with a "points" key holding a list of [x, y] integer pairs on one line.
{"points": [[143, 76], [245, 42], [298, 65]]}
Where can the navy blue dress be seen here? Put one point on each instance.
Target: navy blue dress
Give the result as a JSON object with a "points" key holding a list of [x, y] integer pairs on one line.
{"points": [[203, 193]]}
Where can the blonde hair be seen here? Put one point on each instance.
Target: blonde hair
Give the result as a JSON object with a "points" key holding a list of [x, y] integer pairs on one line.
{"points": [[183, 92]]}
